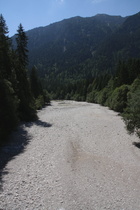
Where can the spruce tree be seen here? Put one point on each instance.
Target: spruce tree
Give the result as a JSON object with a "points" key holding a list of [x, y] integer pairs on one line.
{"points": [[41, 96], [8, 99], [5, 69], [36, 87], [26, 107], [22, 42]]}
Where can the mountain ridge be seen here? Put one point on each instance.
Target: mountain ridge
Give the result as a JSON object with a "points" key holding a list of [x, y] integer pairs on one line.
{"points": [[69, 42], [65, 19], [78, 46]]}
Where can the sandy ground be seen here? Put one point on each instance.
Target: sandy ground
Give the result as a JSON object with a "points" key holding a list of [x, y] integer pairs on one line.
{"points": [[77, 156]]}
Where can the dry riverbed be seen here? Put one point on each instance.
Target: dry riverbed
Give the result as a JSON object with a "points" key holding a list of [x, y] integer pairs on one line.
{"points": [[77, 156]]}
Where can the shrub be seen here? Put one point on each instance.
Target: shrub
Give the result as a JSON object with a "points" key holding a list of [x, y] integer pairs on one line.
{"points": [[118, 99], [102, 96], [91, 97], [39, 102], [132, 112], [46, 96]]}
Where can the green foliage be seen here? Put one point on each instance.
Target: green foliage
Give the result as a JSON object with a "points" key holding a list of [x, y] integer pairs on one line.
{"points": [[22, 50], [102, 96], [78, 97], [8, 100], [46, 97], [5, 68], [16, 99], [132, 112], [91, 97], [8, 109], [67, 49], [127, 71], [26, 109], [39, 102], [79, 59], [36, 87], [118, 99], [41, 96]]}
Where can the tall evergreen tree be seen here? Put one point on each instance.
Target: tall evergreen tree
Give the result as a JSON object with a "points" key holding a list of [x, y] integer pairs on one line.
{"points": [[8, 99], [5, 69], [26, 106], [41, 96], [36, 86], [22, 50]]}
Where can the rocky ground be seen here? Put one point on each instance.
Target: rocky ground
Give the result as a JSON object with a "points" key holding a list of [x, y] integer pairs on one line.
{"points": [[77, 156]]}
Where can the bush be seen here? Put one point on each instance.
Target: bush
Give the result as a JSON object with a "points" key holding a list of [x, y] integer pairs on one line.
{"points": [[46, 97], [78, 97], [132, 112], [39, 102], [118, 99], [91, 97], [102, 96]]}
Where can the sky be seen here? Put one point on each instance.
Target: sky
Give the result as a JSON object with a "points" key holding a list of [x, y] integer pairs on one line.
{"points": [[36, 13]]}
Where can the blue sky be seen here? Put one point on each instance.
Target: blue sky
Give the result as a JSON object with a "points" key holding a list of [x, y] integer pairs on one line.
{"points": [[35, 13]]}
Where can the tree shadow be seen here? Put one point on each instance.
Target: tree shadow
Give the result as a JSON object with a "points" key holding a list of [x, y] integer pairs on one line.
{"points": [[16, 145], [136, 144], [39, 123]]}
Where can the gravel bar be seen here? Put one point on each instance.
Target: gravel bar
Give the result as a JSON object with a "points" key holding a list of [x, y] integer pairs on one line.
{"points": [[77, 156]]}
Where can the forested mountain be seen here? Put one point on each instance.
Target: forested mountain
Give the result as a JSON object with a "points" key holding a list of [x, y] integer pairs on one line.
{"points": [[124, 43], [62, 48], [79, 48], [71, 51]]}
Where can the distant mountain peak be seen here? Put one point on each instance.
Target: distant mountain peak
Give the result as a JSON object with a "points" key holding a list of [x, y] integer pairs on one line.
{"points": [[101, 14]]}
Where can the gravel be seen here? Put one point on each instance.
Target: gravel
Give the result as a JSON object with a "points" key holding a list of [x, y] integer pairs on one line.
{"points": [[77, 156]]}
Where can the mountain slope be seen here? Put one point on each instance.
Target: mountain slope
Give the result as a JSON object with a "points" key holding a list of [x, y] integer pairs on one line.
{"points": [[62, 47], [123, 43]]}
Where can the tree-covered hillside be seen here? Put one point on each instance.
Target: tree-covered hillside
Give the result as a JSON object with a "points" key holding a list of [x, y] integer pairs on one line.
{"points": [[62, 48], [123, 43], [80, 47]]}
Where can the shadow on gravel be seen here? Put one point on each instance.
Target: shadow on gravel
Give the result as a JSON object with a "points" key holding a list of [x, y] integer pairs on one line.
{"points": [[136, 144], [39, 123], [16, 145]]}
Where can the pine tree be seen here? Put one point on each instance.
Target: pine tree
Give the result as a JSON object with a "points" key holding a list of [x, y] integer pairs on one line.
{"points": [[26, 107], [22, 50], [8, 99], [36, 87], [5, 69], [41, 96]]}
